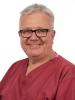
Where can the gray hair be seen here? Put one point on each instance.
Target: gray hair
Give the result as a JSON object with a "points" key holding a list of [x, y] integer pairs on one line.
{"points": [[38, 7]]}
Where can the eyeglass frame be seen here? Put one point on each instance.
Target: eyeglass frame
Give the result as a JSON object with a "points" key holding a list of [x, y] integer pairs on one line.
{"points": [[44, 30]]}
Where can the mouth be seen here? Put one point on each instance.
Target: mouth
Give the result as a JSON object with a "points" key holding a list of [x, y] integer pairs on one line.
{"points": [[34, 46], [34, 43]]}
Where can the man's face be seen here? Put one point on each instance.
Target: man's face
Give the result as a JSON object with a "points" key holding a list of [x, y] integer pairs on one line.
{"points": [[36, 46]]}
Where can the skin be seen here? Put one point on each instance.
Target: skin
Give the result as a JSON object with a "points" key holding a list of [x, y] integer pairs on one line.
{"points": [[38, 50]]}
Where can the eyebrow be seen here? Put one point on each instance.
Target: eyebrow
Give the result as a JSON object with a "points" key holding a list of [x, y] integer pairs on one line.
{"points": [[34, 28]]}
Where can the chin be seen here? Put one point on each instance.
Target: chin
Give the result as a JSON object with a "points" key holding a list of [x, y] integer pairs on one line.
{"points": [[34, 53]]}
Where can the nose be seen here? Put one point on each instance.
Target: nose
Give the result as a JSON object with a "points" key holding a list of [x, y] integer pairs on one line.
{"points": [[34, 36]]}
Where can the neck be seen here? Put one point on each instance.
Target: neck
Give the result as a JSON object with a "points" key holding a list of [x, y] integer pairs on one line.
{"points": [[36, 61]]}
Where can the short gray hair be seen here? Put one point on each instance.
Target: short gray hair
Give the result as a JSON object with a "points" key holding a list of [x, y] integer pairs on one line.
{"points": [[38, 7]]}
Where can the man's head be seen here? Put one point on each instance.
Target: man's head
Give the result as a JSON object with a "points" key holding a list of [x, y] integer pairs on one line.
{"points": [[36, 30], [38, 8]]}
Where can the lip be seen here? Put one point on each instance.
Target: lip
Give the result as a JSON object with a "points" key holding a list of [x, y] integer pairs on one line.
{"points": [[34, 46]]}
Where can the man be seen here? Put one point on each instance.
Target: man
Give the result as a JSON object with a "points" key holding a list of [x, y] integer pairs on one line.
{"points": [[44, 75]]}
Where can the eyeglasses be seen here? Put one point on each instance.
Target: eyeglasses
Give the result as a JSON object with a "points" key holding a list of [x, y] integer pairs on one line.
{"points": [[26, 33]]}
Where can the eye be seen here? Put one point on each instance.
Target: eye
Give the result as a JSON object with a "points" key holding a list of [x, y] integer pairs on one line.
{"points": [[25, 31], [28, 31], [20, 31], [43, 30]]}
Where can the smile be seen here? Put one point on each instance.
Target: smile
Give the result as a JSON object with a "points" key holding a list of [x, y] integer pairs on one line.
{"points": [[34, 46]]}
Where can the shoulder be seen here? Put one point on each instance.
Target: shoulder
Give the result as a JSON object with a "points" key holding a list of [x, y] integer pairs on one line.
{"points": [[64, 63], [13, 71], [65, 68], [16, 65]]}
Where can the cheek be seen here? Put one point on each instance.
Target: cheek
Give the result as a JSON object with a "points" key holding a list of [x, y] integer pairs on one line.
{"points": [[22, 42], [24, 47], [48, 42]]}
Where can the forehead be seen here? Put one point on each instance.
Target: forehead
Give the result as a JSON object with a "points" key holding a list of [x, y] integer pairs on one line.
{"points": [[36, 19]]}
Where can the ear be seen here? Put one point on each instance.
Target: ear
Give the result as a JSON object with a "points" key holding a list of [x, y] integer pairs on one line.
{"points": [[53, 33]]}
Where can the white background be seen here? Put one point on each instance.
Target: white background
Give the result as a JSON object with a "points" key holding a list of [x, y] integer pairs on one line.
{"points": [[64, 43]]}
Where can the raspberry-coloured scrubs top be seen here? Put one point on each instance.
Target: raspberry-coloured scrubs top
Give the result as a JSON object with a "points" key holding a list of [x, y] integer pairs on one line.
{"points": [[53, 80]]}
